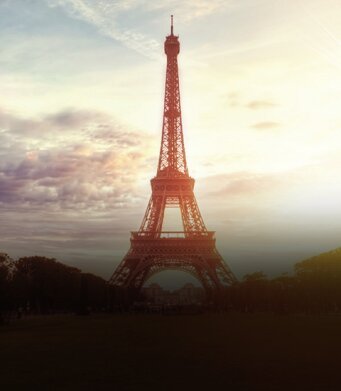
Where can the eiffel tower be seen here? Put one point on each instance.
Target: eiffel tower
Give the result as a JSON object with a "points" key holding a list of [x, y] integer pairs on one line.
{"points": [[153, 250]]}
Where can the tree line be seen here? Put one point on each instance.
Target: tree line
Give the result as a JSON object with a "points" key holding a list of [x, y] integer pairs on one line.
{"points": [[43, 285], [315, 287]]}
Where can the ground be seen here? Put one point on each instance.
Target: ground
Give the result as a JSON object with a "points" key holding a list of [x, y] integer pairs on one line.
{"points": [[172, 352]]}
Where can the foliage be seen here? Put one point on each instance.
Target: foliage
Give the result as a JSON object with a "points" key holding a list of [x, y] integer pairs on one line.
{"points": [[315, 287], [42, 285]]}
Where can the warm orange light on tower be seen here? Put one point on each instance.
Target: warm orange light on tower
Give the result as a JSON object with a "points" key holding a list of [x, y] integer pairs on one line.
{"points": [[193, 249]]}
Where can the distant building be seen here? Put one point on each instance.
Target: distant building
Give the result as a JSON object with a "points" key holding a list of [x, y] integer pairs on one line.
{"points": [[153, 292], [188, 294]]}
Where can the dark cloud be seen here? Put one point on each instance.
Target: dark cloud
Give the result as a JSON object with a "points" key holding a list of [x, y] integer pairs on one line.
{"points": [[71, 177], [93, 165], [260, 104], [265, 125], [87, 123], [14, 124], [104, 134], [74, 118]]}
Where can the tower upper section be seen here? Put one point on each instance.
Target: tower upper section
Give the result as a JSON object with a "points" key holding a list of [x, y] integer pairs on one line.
{"points": [[172, 160], [172, 44]]}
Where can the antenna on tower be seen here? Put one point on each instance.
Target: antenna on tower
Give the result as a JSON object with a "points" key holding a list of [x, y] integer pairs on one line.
{"points": [[171, 24]]}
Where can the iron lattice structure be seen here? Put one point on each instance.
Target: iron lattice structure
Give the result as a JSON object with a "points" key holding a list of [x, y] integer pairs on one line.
{"points": [[192, 250]]}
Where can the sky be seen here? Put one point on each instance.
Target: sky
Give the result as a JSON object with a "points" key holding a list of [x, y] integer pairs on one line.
{"points": [[81, 115]]}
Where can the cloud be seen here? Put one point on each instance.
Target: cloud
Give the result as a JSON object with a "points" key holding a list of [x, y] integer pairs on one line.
{"points": [[17, 124], [234, 99], [193, 9], [107, 17], [85, 125], [82, 160], [71, 178], [265, 125], [65, 119], [74, 118], [260, 104], [240, 183]]}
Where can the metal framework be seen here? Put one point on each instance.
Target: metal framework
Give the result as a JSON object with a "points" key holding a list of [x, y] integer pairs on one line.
{"points": [[192, 250]]}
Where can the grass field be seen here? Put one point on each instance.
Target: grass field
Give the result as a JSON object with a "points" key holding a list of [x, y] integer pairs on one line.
{"points": [[188, 352]]}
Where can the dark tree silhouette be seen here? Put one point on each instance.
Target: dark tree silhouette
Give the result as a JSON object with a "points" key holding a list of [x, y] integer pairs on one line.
{"points": [[43, 285], [319, 281]]}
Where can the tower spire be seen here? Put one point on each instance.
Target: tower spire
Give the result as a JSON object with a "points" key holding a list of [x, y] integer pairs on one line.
{"points": [[172, 161]]}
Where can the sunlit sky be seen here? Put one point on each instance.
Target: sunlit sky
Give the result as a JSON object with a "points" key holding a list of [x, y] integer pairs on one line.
{"points": [[81, 112]]}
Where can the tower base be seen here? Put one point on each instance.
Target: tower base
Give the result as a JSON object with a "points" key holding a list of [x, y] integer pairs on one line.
{"points": [[190, 252]]}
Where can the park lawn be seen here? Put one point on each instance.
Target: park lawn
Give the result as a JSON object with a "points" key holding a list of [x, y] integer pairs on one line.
{"points": [[177, 352]]}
